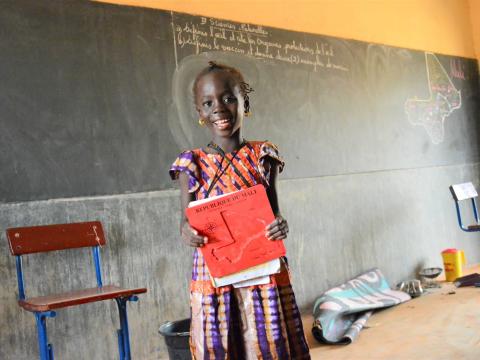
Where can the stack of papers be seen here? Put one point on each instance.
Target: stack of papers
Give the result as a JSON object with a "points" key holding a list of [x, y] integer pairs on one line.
{"points": [[256, 275]]}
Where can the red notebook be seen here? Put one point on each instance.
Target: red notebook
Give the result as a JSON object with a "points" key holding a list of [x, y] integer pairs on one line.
{"points": [[235, 227]]}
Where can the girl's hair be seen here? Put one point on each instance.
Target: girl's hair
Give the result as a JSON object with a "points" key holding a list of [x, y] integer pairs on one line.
{"points": [[245, 88]]}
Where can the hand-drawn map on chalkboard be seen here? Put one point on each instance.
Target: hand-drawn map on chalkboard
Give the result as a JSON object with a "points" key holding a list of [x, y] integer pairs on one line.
{"points": [[444, 99]]}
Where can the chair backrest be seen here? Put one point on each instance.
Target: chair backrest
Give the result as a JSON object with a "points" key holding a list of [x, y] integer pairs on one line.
{"points": [[44, 238], [34, 239], [466, 191], [463, 191]]}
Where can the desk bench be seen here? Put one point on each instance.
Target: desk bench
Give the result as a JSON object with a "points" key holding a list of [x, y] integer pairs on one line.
{"points": [[437, 325]]}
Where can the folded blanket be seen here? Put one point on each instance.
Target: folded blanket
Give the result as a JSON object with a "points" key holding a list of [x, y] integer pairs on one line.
{"points": [[340, 313]]}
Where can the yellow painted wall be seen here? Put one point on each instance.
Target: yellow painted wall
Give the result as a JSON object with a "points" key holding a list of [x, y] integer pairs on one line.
{"points": [[475, 21], [442, 26]]}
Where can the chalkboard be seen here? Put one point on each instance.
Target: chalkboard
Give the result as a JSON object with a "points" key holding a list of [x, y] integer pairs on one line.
{"points": [[96, 99]]}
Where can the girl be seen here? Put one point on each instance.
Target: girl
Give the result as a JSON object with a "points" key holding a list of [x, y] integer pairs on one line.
{"points": [[256, 322]]}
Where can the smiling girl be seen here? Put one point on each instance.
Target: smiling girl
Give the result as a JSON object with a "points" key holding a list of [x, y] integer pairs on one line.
{"points": [[254, 322]]}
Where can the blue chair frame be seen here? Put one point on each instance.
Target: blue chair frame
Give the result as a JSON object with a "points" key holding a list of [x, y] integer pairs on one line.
{"points": [[101, 292], [463, 192]]}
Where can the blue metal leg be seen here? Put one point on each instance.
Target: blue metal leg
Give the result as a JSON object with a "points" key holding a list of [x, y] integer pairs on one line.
{"points": [[120, 344], [45, 349], [123, 336], [50, 351]]}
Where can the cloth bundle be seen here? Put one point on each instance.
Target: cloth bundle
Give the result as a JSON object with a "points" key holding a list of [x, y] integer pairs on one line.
{"points": [[340, 313]]}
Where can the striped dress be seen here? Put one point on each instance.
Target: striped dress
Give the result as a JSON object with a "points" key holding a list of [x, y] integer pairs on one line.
{"points": [[255, 322]]}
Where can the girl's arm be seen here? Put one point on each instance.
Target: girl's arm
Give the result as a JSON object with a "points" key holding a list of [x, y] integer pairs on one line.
{"points": [[189, 235], [278, 229]]}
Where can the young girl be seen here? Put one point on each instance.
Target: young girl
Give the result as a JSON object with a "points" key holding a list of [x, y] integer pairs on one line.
{"points": [[255, 322]]}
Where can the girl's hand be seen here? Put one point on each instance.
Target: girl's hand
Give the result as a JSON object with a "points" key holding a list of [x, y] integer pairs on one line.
{"points": [[191, 237], [277, 230]]}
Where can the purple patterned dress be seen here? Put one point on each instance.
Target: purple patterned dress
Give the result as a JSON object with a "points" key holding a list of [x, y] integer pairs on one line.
{"points": [[255, 322]]}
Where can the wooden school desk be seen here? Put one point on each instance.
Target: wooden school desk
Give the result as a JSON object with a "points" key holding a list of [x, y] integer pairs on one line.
{"points": [[436, 325]]}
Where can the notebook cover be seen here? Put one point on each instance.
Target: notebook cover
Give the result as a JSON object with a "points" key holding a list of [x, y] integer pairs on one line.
{"points": [[235, 227]]}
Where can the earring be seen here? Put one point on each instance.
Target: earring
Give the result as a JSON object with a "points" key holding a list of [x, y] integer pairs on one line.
{"points": [[247, 113], [201, 122]]}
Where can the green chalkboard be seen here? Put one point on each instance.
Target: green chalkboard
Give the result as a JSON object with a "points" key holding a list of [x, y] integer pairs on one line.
{"points": [[95, 99]]}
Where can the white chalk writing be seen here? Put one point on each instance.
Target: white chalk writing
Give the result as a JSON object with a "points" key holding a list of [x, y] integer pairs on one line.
{"points": [[200, 34]]}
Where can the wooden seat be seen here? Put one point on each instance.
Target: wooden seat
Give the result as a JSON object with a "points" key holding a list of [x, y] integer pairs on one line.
{"points": [[45, 238], [72, 298]]}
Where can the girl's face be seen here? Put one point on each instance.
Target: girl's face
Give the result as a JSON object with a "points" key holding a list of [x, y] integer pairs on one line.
{"points": [[219, 102]]}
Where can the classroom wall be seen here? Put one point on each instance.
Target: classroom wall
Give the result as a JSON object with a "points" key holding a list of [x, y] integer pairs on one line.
{"points": [[441, 26], [397, 220], [474, 9]]}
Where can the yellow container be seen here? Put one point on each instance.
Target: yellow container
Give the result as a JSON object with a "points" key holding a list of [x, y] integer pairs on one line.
{"points": [[453, 261]]}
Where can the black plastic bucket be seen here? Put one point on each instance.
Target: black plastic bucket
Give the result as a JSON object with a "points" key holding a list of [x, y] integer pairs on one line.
{"points": [[177, 336]]}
